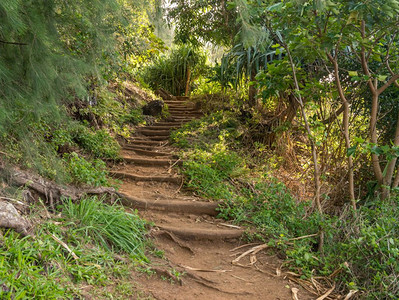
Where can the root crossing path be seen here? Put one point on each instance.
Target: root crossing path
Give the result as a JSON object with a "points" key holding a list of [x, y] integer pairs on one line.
{"points": [[198, 248]]}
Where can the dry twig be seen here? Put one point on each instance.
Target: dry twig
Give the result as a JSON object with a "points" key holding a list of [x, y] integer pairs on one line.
{"points": [[65, 246]]}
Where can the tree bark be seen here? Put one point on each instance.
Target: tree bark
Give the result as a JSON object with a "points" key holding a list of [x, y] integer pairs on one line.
{"points": [[252, 91], [188, 82], [345, 121]]}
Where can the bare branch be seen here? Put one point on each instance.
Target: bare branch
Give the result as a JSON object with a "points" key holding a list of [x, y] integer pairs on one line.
{"points": [[13, 43]]}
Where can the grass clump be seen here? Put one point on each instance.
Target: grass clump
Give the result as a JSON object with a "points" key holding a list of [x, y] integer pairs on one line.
{"points": [[40, 268], [109, 226]]}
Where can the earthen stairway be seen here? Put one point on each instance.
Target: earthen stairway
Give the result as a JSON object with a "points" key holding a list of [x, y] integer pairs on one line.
{"points": [[152, 185], [193, 240]]}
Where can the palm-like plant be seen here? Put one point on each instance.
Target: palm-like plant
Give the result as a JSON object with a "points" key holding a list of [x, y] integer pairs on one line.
{"points": [[242, 63]]}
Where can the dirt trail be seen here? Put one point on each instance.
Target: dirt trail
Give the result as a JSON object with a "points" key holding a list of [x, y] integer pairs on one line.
{"points": [[194, 241]]}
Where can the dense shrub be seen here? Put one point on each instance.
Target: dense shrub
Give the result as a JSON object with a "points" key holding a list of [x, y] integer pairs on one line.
{"points": [[86, 172], [172, 71]]}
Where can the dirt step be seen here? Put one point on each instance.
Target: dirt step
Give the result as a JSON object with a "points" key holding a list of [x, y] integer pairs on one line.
{"points": [[182, 109], [136, 177], [180, 106], [162, 127], [169, 205], [183, 119], [168, 123], [155, 132], [185, 114], [198, 233], [145, 142], [151, 162], [155, 138], [159, 137], [149, 153], [155, 148], [178, 102]]}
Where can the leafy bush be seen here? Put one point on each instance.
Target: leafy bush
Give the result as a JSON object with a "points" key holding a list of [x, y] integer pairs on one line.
{"points": [[83, 171], [172, 71], [98, 143], [109, 226]]}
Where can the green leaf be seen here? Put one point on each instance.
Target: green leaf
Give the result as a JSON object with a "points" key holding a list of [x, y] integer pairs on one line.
{"points": [[376, 150], [352, 73], [382, 77], [275, 7], [358, 140], [351, 151]]}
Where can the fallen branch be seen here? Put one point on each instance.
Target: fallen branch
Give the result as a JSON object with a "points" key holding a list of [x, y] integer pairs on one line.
{"points": [[304, 237], [65, 246], [252, 252], [327, 293], [13, 200], [350, 294], [205, 270], [243, 246], [295, 293]]}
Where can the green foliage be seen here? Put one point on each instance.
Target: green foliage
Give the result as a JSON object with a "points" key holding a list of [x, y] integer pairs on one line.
{"points": [[98, 143], [199, 22], [51, 54], [368, 241], [109, 226], [134, 117], [41, 268], [82, 171], [364, 244], [171, 71]]}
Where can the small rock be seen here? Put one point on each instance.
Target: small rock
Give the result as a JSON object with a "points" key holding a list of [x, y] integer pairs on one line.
{"points": [[10, 218], [153, 108]]}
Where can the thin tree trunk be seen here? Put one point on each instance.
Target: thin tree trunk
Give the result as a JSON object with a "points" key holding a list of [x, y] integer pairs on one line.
{"points": [[307, 127], [252, 91], [188, 81], [374, 108], [346, 114]]}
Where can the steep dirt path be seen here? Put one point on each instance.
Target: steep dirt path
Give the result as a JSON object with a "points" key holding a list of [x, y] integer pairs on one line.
{"points": [[195, 243]]}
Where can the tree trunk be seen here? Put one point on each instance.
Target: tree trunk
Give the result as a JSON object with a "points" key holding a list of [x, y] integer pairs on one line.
{"points": [[346, 112], [188, 82], [252, 91]]}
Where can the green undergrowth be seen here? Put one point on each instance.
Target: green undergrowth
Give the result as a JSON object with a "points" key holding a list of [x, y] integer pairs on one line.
{"points": [[364, 247], [108, 244], [66, 147]]}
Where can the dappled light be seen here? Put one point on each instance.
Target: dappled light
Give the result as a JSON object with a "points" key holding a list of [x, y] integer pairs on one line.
{"points": [[210, 149]]}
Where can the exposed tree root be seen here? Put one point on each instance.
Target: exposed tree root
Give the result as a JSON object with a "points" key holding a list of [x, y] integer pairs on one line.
{"points": [[174, 238], [50, 191]]}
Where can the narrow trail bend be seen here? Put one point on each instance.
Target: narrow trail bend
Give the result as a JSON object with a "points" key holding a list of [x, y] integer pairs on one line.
{"points": [[194, 242]]}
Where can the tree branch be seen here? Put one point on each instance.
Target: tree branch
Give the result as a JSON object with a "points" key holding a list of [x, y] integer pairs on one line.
{"points": [[13, 43], [388, 83]]}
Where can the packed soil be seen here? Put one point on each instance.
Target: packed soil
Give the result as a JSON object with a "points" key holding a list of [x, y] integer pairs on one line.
{"points": [[200, 252]]}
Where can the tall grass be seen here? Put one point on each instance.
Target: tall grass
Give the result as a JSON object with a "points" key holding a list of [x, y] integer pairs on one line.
{"points": [[108, 225], [172, 71]]}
